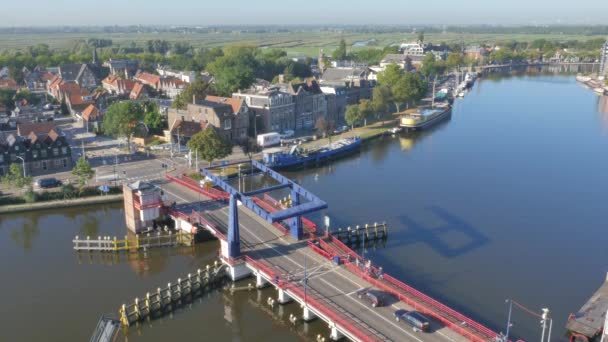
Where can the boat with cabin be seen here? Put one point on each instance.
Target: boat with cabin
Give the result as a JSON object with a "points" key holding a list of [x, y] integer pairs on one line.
{"points": [[425, 117], [298, 157]]}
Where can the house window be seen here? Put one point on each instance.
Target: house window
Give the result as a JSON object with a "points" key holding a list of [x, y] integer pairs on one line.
{"points": [[36, 165], [55, 151], [227, 124], [43, 153], [57, 162], [16, 148], [65, 163], [44, 165], [1, 158], [64, 150], [34, 154]]}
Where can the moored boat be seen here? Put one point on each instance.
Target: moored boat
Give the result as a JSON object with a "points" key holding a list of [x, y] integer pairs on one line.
{"points": [[425, 117], [296, 157]]}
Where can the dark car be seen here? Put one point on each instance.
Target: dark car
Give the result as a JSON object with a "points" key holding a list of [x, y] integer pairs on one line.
{"points": [[375, 298], [46, 183], [413, 318]]}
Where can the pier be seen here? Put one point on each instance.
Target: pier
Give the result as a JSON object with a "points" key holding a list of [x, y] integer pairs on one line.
{"points": [[588, 322], [143, 241], [272, 241], [167, 299], [362, 234]]}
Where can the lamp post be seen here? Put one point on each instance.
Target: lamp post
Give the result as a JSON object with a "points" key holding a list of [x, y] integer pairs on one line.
{"points": [[509, 319], [545, 318], [23, 162]]}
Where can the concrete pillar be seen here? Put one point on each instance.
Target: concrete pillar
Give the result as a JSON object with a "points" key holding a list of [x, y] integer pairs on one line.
{"points": [[307, 315], [335, 335], [238, 271], [260, 282], [284, 298]]}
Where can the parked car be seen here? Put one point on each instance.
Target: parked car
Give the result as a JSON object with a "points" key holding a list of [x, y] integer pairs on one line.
{"points": [[46, 183], [375, 298], [341, 129], [413, 318], [287, 134]]}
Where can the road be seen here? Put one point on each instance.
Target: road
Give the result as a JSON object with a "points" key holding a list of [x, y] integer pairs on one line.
{"points": [[336, 285]]}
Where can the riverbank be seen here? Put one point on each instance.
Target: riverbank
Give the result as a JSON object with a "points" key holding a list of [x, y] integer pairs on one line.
{"points": [[18, 208]]}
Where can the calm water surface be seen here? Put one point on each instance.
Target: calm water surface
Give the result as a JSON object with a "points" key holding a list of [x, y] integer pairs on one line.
{"points": [[504, 200]]}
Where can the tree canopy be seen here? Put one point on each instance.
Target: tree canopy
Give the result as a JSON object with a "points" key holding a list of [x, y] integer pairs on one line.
{"points": [[210, 145], [353, 115], [122, 118], [15, 178], [234, 70], [340, 53], [83, 171]]}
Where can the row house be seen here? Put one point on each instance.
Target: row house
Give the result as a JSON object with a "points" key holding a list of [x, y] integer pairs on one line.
{"points": [[125, 67], [275, 107], [116, 85], [310, 103], [92, 118], [355, 79], [229, 116], [42, 147], [148, 79], [7, 83], [85, 75], [185, 76], [172, 86]]}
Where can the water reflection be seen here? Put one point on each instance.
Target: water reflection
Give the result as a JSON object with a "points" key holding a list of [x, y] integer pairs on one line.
{"points": [[602, 109], [28, 232], [408, 140]]}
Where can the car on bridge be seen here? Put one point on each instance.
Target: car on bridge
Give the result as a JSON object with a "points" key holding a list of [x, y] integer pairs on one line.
{"points": [[375, 298], [413, 318]]}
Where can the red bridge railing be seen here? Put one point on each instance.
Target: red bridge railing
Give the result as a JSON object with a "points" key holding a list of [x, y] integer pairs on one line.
{"points": [[346, 323], [192, 184], [414, 298]]}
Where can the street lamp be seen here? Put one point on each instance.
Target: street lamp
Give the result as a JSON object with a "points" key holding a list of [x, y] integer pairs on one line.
{"points": [[509, 319], [545, 317], [23, 162]]}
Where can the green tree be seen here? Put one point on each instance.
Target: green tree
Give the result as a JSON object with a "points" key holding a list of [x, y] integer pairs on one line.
{"points": [[234, 70], [15, 178], [121, 120], [454, 60], [391, 75], [250, 147], [429, 66], [410, 88], [381, 98], [340, 53], [197, 89], [353, 115], [210, 145], [64, 108], [83, 171], [366, 109], [421, 36]]}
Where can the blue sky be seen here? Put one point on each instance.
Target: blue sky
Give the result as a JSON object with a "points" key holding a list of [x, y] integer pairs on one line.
{"points": [[280, 12]]}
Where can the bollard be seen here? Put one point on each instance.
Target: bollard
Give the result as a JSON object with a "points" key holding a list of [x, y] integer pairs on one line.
{"points": [[123, 315], [147, 303], [161, 303], [179, 287], [136, 311], [198, 277], [169, 293]]}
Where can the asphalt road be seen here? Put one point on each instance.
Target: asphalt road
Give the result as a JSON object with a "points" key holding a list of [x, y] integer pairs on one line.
{"points": [[336, 285]]}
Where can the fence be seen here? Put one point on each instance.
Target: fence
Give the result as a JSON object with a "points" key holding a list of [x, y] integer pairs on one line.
{"points": [[192, 184], [108, 244], [345, 324], [414, 298], [163, 299]]}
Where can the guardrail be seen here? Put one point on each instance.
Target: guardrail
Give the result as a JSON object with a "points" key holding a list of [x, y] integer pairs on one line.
{"points": [[414, 298], [318, 250], [204, 221], [345, 324], [192, 184]]}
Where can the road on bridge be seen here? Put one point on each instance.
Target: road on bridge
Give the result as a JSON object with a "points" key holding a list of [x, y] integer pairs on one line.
{"points": [[334, 284]]}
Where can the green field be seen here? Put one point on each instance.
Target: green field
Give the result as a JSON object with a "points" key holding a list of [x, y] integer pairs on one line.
{"points": [[296, 43]]}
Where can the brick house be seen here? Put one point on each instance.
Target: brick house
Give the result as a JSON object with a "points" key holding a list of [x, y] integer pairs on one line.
{"points": [[42, 145]]}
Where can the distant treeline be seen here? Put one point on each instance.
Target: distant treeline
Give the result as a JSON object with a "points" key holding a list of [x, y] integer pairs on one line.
{"points": [[476, 29]]}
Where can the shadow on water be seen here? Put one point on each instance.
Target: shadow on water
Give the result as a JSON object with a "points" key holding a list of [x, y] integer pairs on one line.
{"points": [[25, 236], [432, 236]]}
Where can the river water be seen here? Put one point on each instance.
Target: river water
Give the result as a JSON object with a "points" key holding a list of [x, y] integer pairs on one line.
{"points": [[504, 200]]}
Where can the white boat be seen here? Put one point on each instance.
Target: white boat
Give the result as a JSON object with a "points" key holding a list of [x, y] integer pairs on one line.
{"points": [[395, 130], [583, 79], [600, 91], [425, 117]]}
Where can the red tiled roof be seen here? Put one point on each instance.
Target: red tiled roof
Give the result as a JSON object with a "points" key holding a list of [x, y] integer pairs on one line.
{"points": [[90, 112], [236, 104], [148, 78], [136, 91], [8, 83], [187, 128], [25, 128]]}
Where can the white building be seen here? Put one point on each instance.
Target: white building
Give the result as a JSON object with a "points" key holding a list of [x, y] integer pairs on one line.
{"points": [[412, 49]]}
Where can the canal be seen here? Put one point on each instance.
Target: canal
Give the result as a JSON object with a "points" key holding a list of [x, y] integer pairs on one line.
{"points": [[504, 200]]}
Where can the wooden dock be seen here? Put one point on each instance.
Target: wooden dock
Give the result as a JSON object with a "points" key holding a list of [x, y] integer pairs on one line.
{"points": [[588, 322], [147, 241], [359, 234], [167, 299]]}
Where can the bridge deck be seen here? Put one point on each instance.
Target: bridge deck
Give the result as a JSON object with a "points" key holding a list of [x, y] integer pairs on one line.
{"points": [[334, 284]]}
